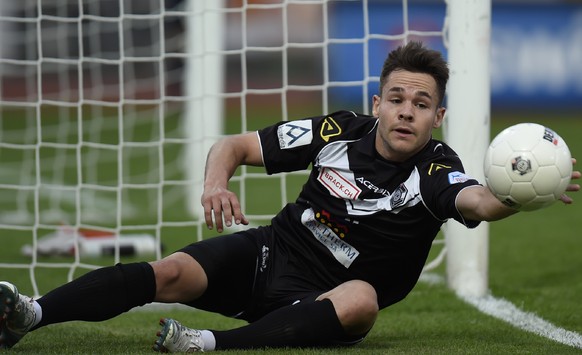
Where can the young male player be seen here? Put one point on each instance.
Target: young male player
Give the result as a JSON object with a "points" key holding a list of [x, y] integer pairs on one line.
{"points": [[354, 242]]}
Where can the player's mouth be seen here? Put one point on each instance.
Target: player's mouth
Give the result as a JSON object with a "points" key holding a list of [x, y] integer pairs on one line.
{"points": [[403, 131]]}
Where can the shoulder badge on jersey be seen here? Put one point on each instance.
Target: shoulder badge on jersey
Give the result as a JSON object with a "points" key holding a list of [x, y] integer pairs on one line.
{"points": [[329, 128], [295, 134], [457, 177]]}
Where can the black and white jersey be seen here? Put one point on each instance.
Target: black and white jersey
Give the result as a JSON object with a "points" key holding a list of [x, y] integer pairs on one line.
{"points": [[358, 215]]}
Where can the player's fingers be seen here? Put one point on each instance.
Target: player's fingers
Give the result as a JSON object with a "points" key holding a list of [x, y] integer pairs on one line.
{"points": [[575, 175], [227, 211], [237, 211], [566, 199], [208, 218], [217, 210], [207, 206], [573, 187]]}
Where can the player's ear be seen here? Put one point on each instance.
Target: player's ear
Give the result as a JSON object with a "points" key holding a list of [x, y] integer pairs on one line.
{"points": [[439, 117], [375, 105]]}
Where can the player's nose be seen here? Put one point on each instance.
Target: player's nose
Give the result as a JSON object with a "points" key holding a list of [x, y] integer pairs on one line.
{"points": [[406, 112]]}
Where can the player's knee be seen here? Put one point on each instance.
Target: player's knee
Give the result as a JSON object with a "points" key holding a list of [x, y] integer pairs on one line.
{"points": [[167, 271], [365, 305], [356, 304], [178, 278]]}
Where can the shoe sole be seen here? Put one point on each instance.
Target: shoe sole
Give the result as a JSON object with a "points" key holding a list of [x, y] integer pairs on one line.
{"points": [[162, 334], [8, 297]]}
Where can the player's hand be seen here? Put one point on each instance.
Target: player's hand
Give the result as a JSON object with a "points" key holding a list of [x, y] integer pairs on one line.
{"points": [[220, 207], [572, 187]]}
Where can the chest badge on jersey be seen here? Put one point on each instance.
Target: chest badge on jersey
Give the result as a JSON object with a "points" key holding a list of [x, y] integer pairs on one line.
{"points": [[398, 196], [329, 128]]}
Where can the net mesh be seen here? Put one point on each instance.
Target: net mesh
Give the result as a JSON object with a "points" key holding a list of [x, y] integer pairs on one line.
{"points": [[96, 126]]}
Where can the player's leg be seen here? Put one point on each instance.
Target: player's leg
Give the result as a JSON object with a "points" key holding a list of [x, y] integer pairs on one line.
{"points": [[179, 278], [102, 294], [304, 324], [107, 292], [356, 305], [342, 316], [282, 305], [231, 267], [97, 295]]}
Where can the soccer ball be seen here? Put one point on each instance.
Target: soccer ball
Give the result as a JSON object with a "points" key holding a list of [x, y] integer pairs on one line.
{"points": [[528, 166]]}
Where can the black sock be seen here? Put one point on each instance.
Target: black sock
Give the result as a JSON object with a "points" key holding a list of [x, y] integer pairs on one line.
{"points": [[301, 325], [100, 294]]}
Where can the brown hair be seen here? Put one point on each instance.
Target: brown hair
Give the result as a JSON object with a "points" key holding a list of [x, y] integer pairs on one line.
{"points": [[415, 57]]}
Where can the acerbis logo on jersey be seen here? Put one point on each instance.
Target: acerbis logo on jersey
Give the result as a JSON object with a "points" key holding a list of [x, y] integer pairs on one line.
{"points": [[295, 134], [436, 167], [373, 187], [329, 128]]}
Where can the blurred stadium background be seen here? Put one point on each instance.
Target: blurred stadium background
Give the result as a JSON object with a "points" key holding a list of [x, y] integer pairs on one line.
{"points": [[96, 131]]}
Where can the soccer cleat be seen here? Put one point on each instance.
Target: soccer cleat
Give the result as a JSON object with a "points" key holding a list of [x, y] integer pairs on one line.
{"points": [[18, 315], [174, 337]]}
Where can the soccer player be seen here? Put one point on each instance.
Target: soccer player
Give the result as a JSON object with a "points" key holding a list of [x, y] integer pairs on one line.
{"points": [[354, 241]]}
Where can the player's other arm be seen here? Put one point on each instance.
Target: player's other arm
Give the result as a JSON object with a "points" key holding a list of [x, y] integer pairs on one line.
{"points": [[477, 203], [220, 204]]}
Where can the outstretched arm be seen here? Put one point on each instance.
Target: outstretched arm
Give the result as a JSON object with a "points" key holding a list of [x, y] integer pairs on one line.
{"points": [[479, 204], [220, 204]]}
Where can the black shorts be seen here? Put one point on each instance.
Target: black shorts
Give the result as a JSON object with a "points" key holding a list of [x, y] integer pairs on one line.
{"points": [[250, 275]]}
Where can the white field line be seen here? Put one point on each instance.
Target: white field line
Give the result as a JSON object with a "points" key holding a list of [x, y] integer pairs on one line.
{"points": [[508, 312]]}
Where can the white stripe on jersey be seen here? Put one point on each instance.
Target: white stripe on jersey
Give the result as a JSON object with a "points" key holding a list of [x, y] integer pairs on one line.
{"points": [[406, 195], [336, 176]]}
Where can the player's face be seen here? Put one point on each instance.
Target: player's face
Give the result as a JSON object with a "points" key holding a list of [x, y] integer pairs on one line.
{"points": [[408, 110]]}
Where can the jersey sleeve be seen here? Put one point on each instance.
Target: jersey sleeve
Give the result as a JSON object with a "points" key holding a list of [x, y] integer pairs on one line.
{"points": [[442, 180], [287, 146], [294, 145]]}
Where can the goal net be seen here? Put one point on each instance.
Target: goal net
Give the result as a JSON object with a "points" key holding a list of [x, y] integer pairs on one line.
{"points": [[109, 107]]}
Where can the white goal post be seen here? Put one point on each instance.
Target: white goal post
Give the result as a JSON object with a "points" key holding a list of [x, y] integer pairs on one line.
{"points": [[108, 109], [467, 129]]}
